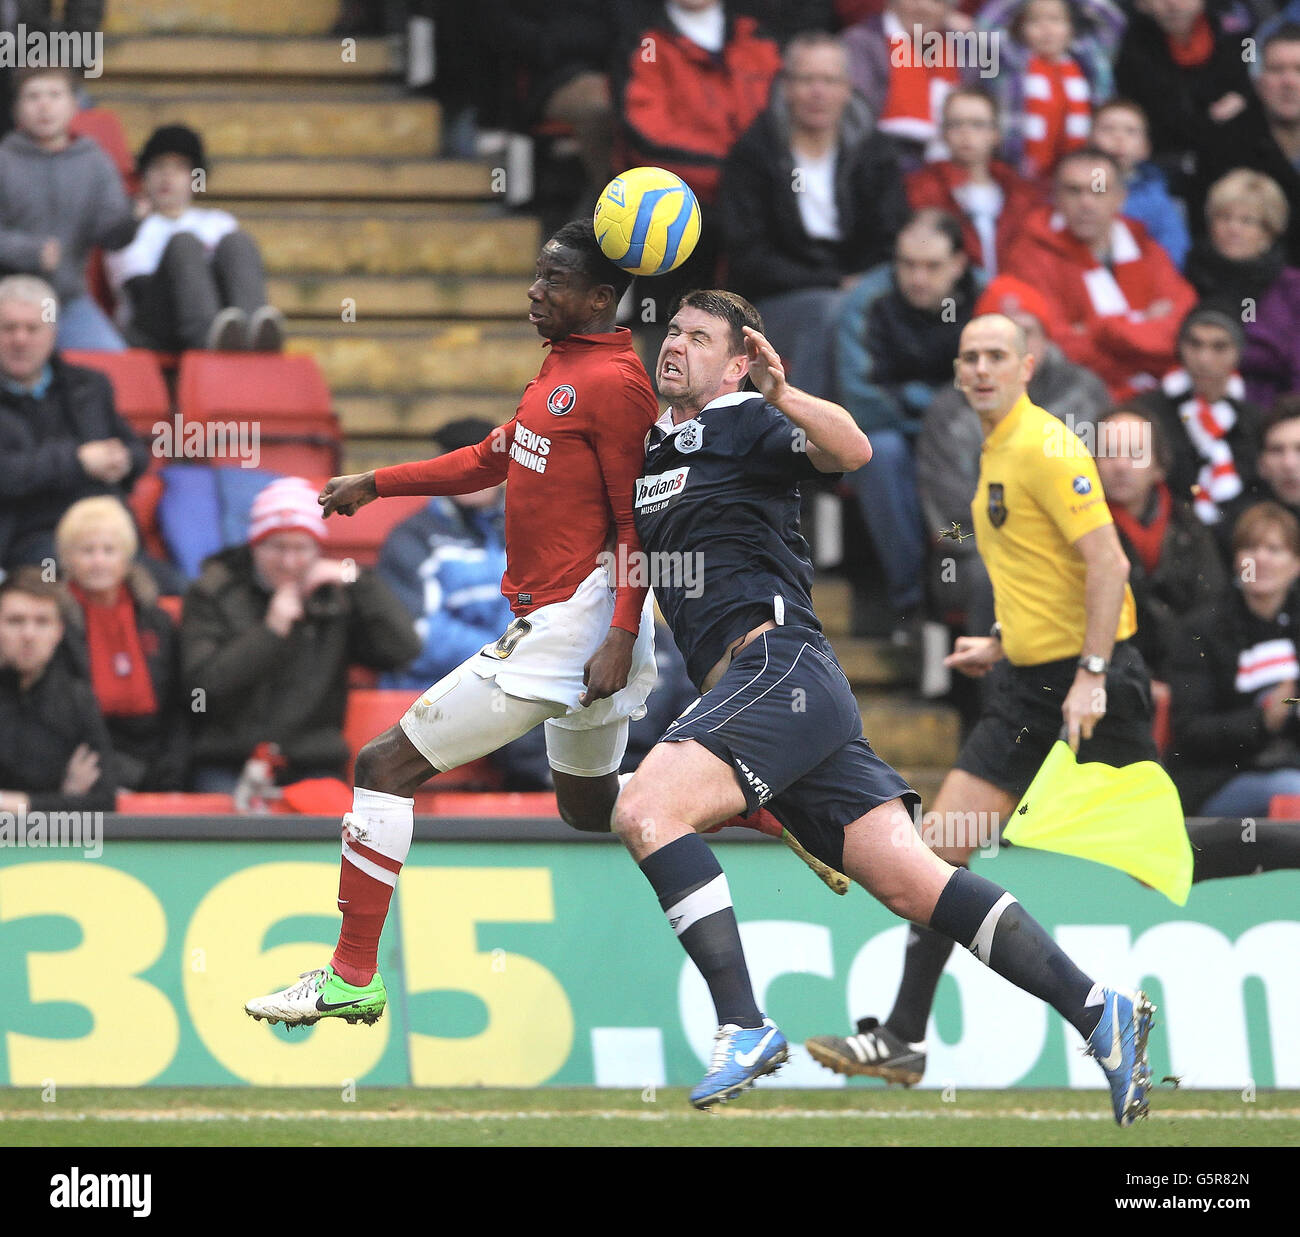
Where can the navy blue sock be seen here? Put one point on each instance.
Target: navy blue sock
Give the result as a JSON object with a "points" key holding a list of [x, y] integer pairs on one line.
{"points": [[692, 890], [984, 918], [927, 954]]}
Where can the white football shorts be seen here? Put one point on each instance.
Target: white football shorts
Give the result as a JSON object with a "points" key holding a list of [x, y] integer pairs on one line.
{"points": [[533, 674]]}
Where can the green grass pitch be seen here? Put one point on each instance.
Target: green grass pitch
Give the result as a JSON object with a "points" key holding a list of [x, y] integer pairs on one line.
{"points": [[771, 1117]]}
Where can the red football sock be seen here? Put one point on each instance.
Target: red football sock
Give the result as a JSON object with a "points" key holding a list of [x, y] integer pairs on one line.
{"points": [[761, 820], [364, 903]]}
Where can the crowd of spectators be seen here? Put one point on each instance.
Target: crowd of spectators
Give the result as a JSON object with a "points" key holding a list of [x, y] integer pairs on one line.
{"points": [[1122, 177]]}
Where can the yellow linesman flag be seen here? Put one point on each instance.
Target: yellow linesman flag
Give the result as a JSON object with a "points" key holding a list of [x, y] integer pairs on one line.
{"points": [[1128, 818]]}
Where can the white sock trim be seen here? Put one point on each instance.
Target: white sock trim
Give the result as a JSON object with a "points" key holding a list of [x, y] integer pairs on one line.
{"points": [[1096, 996], [707, 900], [982, 945]]}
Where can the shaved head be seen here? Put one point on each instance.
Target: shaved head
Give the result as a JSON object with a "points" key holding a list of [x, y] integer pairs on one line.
{"points": [[1019, 340]]}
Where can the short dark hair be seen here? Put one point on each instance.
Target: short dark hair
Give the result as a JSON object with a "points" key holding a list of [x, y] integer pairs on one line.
{"points": [[1085, 154], [25, 75], [578, 236], [1287, 32], [1121, 104], [734, 310], [974, 92], [1159, 439], [1285, 408], [463, 432], [935, 219], [30, 581]]}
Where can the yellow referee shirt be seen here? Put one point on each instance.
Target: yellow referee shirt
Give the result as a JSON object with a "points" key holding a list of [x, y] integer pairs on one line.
{"points": [[1038, 493]]}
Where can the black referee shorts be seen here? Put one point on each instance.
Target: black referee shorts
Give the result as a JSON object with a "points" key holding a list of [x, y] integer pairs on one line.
{"points": [[1023, 719], [784, 718]]}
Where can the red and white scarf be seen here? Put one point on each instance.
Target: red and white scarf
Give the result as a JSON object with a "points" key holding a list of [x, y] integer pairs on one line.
{"points": [[1267, 664], [1058, 112], [914, 103], [1207, 426]]}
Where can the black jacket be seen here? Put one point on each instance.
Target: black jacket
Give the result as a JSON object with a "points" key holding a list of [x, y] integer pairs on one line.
{"points": [[1177, 99], [40, 475], [1186, 463], [292, 690], [1189, 574], [40, 729], [1218, 731], [767, 249], [150, 753]]}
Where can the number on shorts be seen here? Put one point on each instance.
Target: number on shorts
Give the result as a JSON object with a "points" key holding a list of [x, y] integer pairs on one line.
{"points": [[517, 630]]}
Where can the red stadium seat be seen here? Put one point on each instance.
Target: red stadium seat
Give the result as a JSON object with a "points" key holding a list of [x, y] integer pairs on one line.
{"points": [[285, 396], [499, 803], [139, 390], [1161, 730], [173, 803], [103, 125], [360, 537], [1284, 807]]}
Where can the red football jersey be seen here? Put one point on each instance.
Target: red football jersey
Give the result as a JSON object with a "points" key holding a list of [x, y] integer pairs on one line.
{"points": [[571, 453]]}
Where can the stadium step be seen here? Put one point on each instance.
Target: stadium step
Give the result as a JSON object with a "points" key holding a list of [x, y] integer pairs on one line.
{"points": [[392, 357], [221, 17], [873, 663], [317, 180], [833, 601], [905, 731], [438, 242], [290, 126], [148, 60], [413, 296], [414, 415]]}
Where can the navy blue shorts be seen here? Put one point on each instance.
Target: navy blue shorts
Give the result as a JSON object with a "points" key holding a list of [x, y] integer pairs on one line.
{"points": [[784, 718]]}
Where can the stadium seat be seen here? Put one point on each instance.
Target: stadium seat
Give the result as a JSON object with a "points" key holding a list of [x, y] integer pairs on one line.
{"points": [[139, 390], [285, 396], [371, 711], [1161, 730], [1284, 807], [360, 537], [498, 803], [103, 125], [173, 803]]}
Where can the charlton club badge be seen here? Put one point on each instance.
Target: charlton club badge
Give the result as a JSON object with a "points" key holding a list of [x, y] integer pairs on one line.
{"points": [[561, 400]]}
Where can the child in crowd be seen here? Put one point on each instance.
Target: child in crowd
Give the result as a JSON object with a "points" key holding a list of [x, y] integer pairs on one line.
{"points": [[1120, 129]]}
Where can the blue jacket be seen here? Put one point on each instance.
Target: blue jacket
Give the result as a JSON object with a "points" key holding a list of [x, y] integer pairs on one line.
{"points": [[445, 565], [1152, 205]]}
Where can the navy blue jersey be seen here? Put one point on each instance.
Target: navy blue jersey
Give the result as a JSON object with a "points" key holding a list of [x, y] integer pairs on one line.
{"points": [[717, 511]]}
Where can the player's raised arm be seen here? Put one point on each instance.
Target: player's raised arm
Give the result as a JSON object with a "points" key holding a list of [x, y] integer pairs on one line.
{"points": [[459, 472], [835, 443]]}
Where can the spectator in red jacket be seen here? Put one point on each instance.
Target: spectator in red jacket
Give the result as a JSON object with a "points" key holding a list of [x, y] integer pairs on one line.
{"points": [[988, 197], [695, 81], [1116, 288], [905, 93], [696, 78]]}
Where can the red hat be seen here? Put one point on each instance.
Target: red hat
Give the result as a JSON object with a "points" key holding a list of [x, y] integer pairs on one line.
{"points": [[287, 504], [1008, 295]]}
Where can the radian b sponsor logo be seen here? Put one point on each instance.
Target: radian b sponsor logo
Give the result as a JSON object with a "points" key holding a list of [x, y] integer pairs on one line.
{"points": [[661, 486]]}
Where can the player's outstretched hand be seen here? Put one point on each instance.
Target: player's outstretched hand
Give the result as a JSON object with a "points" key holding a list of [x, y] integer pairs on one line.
{"points": [[974, 655], [607, 670], [765, 369], [346, 494]]}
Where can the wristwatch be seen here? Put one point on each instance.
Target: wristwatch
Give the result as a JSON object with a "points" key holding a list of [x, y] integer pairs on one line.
{"points": [[996, 632], [1093, 664]]}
